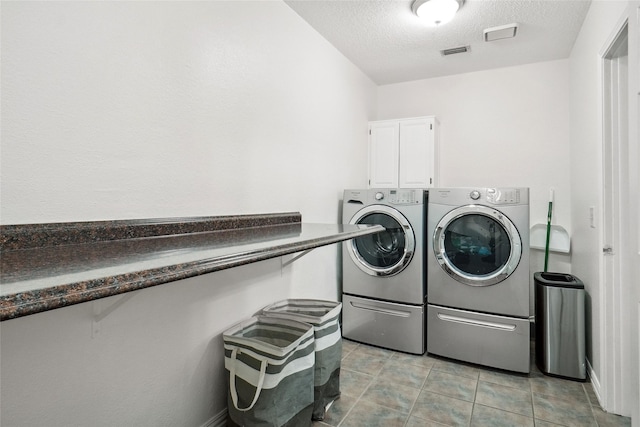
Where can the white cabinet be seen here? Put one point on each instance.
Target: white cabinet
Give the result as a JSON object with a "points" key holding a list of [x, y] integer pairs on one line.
{"points": [[384, 154], [403, 153]]}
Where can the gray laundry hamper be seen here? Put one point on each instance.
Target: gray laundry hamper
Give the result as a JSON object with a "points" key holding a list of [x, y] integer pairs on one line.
{"points": [[270, 366], [325, 318]]}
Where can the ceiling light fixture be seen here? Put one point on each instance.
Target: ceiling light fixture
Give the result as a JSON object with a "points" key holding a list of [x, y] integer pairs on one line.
{"points": [[436, 12]]}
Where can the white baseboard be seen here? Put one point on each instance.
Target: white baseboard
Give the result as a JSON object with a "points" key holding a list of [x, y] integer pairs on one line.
{"points": [[595, 383], [218, 420]]}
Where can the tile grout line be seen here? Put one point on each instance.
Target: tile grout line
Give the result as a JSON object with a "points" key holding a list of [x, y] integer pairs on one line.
{"points": [[475, 396], [593, 413], [413, 405], [388, 360], [533, 407], [374, 377], [358, 398], [507, 410]]}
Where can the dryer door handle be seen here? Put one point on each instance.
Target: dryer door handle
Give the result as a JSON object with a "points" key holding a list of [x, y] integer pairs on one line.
{"points": [[380, 310]]}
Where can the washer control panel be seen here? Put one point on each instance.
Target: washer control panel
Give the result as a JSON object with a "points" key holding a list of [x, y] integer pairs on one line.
{"points": [[398, 196]]}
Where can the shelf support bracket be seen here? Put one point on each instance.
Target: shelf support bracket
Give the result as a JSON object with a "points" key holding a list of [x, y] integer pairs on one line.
{"points": [[296, 257], [100, 315]]}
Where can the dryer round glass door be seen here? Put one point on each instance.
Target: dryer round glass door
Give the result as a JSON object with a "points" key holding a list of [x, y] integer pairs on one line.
{"points": [[477, 245], [385, 253]]}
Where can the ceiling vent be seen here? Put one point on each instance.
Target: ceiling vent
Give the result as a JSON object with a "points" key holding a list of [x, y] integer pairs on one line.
{"points": [[502, 32], [454, 50]]}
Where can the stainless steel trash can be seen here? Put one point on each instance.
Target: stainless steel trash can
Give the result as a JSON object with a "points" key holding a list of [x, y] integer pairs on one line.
{"points": [[560, 325]]}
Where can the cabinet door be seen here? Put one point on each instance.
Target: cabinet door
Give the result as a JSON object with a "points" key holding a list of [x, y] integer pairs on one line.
{"points": [[417, 157], [383, 154]]}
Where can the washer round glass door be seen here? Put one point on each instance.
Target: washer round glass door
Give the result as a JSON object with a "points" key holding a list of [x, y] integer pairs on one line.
{"points": [[385, 253], [477, 245]]}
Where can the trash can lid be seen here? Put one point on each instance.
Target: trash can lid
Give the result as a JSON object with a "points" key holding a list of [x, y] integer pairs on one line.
{"points": [[558, 279]]}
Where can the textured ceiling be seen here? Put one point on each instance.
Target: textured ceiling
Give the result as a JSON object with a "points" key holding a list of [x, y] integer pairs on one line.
{"points": [[390, 44]]}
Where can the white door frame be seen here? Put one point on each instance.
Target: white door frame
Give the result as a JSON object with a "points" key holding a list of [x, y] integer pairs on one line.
{"points": [[634, 179], [616, 278]]}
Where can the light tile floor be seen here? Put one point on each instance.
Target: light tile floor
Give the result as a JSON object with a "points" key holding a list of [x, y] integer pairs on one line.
{"points": [[387, 388]]}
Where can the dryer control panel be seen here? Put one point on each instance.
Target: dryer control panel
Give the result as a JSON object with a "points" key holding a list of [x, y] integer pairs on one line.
{"points": [[496, 196], [503, 196]]}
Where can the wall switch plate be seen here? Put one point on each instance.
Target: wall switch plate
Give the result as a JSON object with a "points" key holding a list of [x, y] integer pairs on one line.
{"points": [[592, 216]]}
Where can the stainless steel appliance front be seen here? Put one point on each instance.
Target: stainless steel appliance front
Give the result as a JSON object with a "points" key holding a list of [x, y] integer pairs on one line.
{"points": [[489, 340], [386, 269], [478, 275], [385, 324], [388, 265], [478, 254]]}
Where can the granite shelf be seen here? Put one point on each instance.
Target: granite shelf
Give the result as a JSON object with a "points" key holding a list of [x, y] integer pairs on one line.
{"points": [[48, 266]]}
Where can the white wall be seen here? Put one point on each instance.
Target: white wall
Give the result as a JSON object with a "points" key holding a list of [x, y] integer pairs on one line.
{"points": [[114, 110], [142, 109], [601, 23], [503, 127]]}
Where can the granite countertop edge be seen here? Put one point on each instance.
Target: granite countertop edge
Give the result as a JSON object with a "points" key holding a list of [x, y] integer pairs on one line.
{"points": [[15, 305]]}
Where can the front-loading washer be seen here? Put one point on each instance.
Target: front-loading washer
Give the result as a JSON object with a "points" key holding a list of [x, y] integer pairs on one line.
{"points": [[384, 274], [478, 276]]}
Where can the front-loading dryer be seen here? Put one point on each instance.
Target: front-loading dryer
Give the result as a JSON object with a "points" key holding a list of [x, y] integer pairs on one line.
{"points": [[478, 276], [384, 274]]}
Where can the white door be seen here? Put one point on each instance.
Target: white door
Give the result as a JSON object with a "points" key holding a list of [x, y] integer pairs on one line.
{"points": [[416, 153], [383, 154], [616, 304]]}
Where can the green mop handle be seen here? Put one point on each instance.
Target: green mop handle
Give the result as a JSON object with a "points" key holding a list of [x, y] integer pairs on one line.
{"points": [[546, 247]]}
